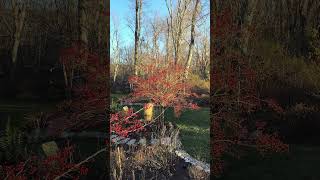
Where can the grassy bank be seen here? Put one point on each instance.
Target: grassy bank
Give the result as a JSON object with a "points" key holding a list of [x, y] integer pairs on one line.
{"points": [[194, 132]]}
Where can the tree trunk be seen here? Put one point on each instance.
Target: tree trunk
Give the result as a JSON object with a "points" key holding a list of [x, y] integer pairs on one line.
{"points": [[252, 6], [167, 41], [83, 29], [19, 16], [138, 14], [191, 45], [101, 21], [115, 73], [66, 82], [116, 51]]}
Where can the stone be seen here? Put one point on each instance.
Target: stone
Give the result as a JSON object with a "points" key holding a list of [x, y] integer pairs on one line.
{"points": [[143, 141], [50, 148], [117, 139], [198, 164], [124, 141], [131, 142], [187, 159], [154, 141], [113, 136]]}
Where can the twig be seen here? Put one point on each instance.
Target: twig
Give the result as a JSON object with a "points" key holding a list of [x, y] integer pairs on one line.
{"points": [[80, 163], [147, 123], [236, 143], [133, 114]]}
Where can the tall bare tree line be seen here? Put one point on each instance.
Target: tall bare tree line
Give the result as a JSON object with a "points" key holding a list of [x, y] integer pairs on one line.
{"points": [[39, 25], [285, 21], [176, 37]]}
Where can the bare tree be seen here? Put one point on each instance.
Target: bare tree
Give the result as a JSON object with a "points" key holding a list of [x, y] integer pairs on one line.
{"points": [[83, 29], [116, 47], [156, 30], [19, 14], [138, 15], [252, 7], [192, 34], [176, 25], [167, 40]]}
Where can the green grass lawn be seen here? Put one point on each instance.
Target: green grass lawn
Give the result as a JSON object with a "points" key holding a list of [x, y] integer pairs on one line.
{"points": [[194, 131], [302, 163]]}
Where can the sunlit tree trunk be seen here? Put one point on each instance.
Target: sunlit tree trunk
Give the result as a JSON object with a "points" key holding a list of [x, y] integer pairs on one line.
{"points": [[138, 14], [191, 45], [167, 41]]}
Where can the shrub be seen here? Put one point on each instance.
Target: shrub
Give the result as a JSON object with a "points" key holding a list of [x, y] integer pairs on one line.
{"points": [[199, 86], [49, 168], [164, 86], [87, 105], [235, 93], [275, 64]]}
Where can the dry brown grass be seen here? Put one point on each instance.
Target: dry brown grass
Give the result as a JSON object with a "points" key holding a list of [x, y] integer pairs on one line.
{"points": [[117, 160], [144, 163], [197, 174]]}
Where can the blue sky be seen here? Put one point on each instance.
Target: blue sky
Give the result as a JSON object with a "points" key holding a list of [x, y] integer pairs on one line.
{"points": [[124, 9]]}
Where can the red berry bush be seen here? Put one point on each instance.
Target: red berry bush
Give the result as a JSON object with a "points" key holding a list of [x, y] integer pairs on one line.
{"points": [[123, 123], [234, 96], [49, 167], [163, 85]]}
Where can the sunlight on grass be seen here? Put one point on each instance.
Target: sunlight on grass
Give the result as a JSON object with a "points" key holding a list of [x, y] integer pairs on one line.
{"points": [[194, 132]]}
